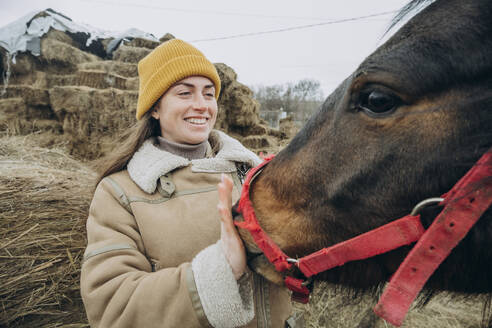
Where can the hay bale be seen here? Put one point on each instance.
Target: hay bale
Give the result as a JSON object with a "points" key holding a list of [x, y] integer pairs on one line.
{"points": [[112, 67], [95, 106], [258, 129], [258, 142], [129, 54], [32, 95], [22, 70], [10, 108], [102, 80], [60, 36], [11, 112], [288, 127], [243, 110], [166, 37], [132, 83], [143, 43], [44, 196], [26, 110], [64, 54], [53, 80], [92, 117], [238, 109]]}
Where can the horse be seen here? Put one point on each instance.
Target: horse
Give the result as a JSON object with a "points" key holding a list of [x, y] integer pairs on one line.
{"points": [[405, 126]]}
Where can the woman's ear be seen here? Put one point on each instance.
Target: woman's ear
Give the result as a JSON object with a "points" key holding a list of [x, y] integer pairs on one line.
{"points": [[155, 114], [155, 109]]}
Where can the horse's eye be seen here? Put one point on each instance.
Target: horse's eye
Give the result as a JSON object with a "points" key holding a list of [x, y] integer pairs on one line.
{"points": [[378, 103]]}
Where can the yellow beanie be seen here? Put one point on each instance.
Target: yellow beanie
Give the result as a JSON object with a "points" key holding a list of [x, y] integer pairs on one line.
{"points": [[167, 64]]}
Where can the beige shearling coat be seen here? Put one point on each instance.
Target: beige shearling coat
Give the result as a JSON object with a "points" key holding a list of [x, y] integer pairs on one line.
{"points": [[153, 259]]}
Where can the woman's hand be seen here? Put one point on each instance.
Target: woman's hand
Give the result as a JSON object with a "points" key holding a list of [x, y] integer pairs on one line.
{"points": [[232, 243]]}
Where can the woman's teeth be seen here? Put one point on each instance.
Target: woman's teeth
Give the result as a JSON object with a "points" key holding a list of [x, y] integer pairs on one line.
{"points": [[196, 120]]}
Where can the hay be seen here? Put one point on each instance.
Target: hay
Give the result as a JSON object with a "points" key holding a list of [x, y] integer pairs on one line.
{"points": [[128, 54], [64, 54], [101, 80], [44, 197], [10, 110], [114, 67], [259, 142], [288, 127], [142, 43], [335, 306], [92, 117], [237, 108], [31, 95]]}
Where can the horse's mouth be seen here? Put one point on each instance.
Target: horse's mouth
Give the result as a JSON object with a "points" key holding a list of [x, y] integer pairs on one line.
{"points": [[250, 256], [260, 265]]}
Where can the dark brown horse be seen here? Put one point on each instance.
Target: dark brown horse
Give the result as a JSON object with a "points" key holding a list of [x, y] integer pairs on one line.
{"points": [[405, 126]]}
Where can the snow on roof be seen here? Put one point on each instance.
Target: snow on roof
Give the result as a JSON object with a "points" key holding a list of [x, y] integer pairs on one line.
{"points": [[25, 33]]}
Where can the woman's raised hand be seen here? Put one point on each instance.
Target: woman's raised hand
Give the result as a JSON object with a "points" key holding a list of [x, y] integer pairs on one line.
{"points": [[232, 243]]}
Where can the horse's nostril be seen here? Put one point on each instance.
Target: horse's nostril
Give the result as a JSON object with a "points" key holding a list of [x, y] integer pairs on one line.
{"points": [[432, 248], [414, 270]]}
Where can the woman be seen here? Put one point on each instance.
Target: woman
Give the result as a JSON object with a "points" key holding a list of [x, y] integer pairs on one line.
{"points": [[159, 254]]}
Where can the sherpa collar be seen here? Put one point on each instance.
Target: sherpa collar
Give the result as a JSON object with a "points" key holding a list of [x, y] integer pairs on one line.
{"points": [[149, 163]]}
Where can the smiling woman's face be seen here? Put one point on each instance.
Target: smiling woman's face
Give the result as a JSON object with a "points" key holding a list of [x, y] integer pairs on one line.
{"points": [[187, 111]]}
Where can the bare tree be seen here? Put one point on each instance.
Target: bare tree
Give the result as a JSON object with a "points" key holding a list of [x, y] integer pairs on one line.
{"points": [[298, 99]]}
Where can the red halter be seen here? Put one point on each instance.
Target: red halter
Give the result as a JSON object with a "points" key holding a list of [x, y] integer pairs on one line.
{"points": [[463, 206]]}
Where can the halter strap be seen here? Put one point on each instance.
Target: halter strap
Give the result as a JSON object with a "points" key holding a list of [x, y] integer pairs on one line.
{"points": [[464, 205]]}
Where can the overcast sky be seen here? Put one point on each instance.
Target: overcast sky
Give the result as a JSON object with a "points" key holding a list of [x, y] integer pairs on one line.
{"points": [[327, 52]]}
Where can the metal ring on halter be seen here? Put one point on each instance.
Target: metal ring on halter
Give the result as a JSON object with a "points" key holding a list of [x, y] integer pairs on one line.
{"points": [[424, 203], [305, 282]]}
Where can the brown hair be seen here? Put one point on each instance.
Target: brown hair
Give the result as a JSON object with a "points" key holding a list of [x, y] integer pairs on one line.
{"points": [[118, 159]]}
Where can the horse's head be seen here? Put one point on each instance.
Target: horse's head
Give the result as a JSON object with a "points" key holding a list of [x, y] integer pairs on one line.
{"points": [[405, 126]]}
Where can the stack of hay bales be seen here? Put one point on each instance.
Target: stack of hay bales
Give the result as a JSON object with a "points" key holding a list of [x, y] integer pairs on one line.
{"points": [[84, 97]]}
